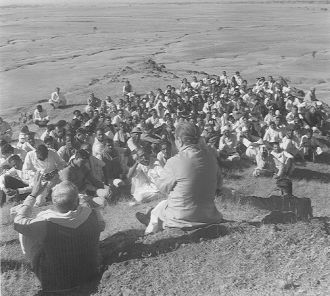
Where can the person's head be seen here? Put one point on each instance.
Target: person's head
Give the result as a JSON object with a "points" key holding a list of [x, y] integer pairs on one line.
{"points": [[65, 197], [285, 185], [136, 134], [57, 89], [42, 152], [121, 112], [143, 156], [108, 143], [7, 150], [122, 126], [312, 110], [186, 133], [100, 134], [276, 147], [165, 147], [87, 147], [39, 108], [76, 113], [309, 133], [49, 142], [81, 157], [31, 138], [272, 125], [289, 134], [16, 162], [81, 134], [277, 120], [68, 140]]}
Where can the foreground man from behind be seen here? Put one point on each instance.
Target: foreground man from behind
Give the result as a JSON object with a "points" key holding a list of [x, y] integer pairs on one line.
{"points": [[61, 243], [190, 179]]}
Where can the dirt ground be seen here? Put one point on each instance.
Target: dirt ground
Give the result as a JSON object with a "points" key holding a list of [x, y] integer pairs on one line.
{"points": [[242, 257], [97, 49]]}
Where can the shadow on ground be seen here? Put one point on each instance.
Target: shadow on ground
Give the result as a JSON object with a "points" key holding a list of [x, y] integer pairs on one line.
{"points": [[7, 265], [308, 175], [131, 244]]}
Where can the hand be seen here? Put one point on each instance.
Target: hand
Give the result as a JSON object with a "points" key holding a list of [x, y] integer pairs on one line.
{"points": [[37, 186]]}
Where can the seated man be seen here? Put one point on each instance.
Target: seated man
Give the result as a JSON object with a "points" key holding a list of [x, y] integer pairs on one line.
{"points": [[227, 145], [31, 142], [265, 163], [272, 134], [48, 163], [57, 99], [69, 149], [144, 175], [251, 142], [40, 116], [190, 179], [291, 144], [165, 153], [6, 151], [83, 178], [61, 243], [111, 157], [310, 146], [284, 161], [134, 142], [15, 184]]}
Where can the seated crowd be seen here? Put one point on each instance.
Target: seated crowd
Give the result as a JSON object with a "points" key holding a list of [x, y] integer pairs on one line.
{"points": [[165, 145], [269, 123]]}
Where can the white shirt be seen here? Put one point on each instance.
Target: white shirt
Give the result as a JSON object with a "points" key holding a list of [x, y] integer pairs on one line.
{"points": [[40, 115], [52, 162], [58, 98]]}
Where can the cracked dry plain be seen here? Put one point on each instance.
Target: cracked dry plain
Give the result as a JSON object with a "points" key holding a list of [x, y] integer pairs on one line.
{"points": [[245, 258]]}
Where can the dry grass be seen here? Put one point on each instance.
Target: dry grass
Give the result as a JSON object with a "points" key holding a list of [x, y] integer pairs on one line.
{"points": [[242, 259]]}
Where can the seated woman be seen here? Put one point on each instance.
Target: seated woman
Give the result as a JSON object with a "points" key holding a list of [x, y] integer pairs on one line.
{"points": [[190, 179], [144, 174]]}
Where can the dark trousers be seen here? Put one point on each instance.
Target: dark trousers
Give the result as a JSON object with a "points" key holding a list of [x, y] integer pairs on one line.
{"points": [[13, 183]]}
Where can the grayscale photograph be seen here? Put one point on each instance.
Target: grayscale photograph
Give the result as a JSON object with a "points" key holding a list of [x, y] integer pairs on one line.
{"points": [[165, 148]]}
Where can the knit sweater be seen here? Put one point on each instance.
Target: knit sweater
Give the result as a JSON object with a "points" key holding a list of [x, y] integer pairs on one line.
{"points": [[69, 255]]}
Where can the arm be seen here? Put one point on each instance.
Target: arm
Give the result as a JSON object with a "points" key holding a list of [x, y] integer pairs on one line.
{"points": [[23, 223], [132, 170], [59, 162], [28, 165], [167, 180]]}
